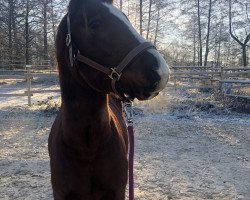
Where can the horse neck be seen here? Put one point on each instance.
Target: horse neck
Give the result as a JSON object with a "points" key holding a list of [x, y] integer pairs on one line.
{"points": [[83, 112], [85, 106], [82, 108]]}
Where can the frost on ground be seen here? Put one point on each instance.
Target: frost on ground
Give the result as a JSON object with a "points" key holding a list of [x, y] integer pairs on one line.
{"points": [[188, 146]]}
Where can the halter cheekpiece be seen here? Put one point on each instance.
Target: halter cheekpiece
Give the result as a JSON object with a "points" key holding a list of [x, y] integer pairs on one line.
{"points": [[114, 73]]}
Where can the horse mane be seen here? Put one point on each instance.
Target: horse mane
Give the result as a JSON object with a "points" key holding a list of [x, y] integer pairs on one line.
{"points": [[60, 40]]}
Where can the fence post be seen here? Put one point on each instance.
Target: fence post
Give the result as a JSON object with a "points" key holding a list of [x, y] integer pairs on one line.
{"points": [[28, 84], [50, 66], [221, 73], [220, 83]]}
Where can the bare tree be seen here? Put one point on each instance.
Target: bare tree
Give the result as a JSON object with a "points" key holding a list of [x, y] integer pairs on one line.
{"points": [[157, 25], [149, 17], [194, 42], [27, 34], [208, 32], [10, 20], [236, 38], [141, 17], [120, 4], [199, 38], [45, 4]]}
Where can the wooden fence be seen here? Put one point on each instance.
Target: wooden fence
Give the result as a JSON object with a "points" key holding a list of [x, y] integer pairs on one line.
{"points": [[28, 76], [21, 64], [194, 75], [223, 79], [12, 65], [213, 78]]}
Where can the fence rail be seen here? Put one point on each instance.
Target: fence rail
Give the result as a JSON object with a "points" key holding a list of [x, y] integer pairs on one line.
{"points": [[21, 64], [210, 77], [27, 76], [207, 77], [205, 74], [12, 77]]}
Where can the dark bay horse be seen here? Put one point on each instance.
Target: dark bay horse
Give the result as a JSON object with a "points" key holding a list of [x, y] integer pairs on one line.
{"points": [[88, 141]]}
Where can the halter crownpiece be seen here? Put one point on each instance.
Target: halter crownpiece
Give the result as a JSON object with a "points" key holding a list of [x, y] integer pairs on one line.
{"points": [[113, 73]]}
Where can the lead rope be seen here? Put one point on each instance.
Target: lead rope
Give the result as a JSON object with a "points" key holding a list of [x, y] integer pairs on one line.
{"points": [[128, 111]]}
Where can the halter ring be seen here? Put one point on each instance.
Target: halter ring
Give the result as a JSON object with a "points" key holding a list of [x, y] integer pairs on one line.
{"points": [[68, 40], [115, 75]]}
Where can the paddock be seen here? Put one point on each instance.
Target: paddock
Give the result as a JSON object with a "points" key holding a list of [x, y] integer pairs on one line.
{"points": [[183, 78], [230, 84], [184, 149], [27, 82]]}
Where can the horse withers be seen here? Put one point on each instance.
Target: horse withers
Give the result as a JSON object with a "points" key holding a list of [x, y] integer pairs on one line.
{"points": [[101, 60]]}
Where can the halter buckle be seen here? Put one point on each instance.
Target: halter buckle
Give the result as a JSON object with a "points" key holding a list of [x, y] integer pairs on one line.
{"points": [[114, 74]]}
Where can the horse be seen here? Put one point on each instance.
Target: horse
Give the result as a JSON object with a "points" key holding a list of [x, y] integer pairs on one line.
{"points": [[88, 142]]}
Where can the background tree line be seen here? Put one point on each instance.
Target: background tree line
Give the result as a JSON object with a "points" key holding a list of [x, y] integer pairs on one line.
{"points": [[188, 32], [28, 29]]}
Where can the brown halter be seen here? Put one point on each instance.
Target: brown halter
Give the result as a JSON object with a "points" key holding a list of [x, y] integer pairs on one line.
{"points": [[114, 73]]}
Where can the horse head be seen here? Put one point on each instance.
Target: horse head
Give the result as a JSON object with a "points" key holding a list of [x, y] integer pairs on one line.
{"points": [[104, 34]]}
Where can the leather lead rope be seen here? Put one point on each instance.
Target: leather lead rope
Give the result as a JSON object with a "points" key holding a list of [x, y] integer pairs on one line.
{"points": [[128, 111]]}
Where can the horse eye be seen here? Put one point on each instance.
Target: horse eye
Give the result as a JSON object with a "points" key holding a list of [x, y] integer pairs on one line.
{"points": [[95, 24]]}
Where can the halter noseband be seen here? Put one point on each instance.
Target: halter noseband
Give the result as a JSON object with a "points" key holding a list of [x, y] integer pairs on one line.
{"points": [[114, 73]]}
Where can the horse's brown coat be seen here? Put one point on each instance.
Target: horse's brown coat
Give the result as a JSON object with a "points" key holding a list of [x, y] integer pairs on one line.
{"points": [[84, 167], [88, 140]]}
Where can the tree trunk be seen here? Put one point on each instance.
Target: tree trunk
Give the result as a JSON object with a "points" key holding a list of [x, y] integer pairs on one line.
{"points": [[53, 21], [245, 58], [141, 17], [27, 36], [244, 55], [15, 40], [120, 4], [243, 45], [194, 42], [10, 40], [149, 17], [200, 40], [128, 8], [194, 58], [45, 34], [219, 48], [157, 26], [208, 32]]}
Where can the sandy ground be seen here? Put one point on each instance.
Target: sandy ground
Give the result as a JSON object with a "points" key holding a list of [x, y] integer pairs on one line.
{"points": [[182, 151]]}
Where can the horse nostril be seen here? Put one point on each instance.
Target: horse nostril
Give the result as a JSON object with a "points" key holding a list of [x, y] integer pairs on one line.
{"points": [[157, 83]]}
